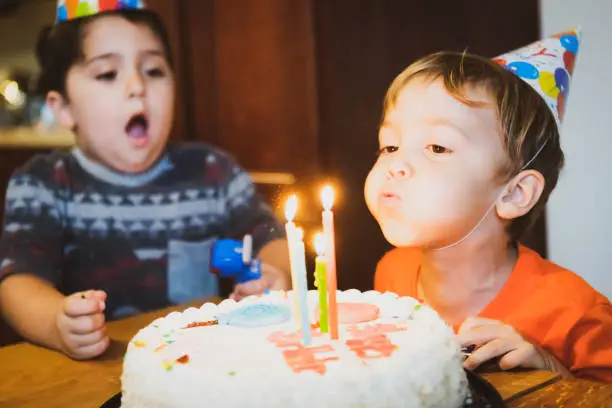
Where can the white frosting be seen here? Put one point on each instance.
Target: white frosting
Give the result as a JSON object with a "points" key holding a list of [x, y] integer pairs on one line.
{"points": [[240, 367]]}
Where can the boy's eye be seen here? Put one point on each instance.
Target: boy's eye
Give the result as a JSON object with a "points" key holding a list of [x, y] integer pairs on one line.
{"points": [[437, 149], [387, 150], [107, 76]]}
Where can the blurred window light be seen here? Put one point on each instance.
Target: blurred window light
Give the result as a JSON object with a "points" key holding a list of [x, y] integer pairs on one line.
{"points": [[12, 94]]}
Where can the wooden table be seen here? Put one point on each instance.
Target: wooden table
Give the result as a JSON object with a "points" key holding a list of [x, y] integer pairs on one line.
{"points": [[35, 377]]}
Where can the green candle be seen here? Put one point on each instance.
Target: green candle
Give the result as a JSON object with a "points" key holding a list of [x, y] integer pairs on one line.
{"points": [[320, 282]]}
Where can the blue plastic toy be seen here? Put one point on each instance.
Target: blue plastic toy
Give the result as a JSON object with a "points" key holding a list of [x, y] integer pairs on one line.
{"points": [[234, 259]]}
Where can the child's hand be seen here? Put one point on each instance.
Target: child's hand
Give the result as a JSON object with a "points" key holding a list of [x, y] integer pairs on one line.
{"points": [[272, 278], [493, 338], [80, 324]]}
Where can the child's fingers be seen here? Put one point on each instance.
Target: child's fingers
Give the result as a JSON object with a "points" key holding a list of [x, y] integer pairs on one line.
{"points": [[275, 278], [513, 359], [83, 303], [525, 356], [92, 294], [91, 351], [84, 340], [272, 278], [254, 287], [483, 334], [98, 295], [486, 352], [86, 324], [473, 322]]}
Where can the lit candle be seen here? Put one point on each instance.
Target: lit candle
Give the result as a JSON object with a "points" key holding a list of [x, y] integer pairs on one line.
{"points": [[302, 286], [297, 259], [320, 281], [327, 197], [290, 212]]}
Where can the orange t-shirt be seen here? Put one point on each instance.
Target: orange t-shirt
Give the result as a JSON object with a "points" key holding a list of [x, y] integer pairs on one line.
{"points": [[543, 301]]}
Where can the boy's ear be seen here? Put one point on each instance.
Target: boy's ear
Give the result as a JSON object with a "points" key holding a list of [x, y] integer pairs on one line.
{"points": [[521, 195], [61, 109]]}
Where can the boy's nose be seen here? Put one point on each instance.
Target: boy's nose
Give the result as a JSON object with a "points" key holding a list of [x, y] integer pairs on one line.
{"points": [[397, 170]]}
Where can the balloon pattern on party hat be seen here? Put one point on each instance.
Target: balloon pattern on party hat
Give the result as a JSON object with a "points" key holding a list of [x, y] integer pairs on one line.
{"points": [[547, 66], [71, 9]]}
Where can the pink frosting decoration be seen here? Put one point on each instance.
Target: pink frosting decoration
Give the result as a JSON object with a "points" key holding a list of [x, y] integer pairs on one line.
{"points": [[353, 313]]}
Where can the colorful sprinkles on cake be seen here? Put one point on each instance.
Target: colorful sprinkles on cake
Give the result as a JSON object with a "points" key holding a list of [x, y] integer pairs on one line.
{"points": [[168, 365], [184, 359], [205, 323], [140, 343]]}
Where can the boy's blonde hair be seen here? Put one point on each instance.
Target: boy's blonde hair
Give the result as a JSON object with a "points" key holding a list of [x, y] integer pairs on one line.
{"points": [[528, 127]]}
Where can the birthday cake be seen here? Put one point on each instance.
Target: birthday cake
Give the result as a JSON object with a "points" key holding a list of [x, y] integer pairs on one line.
{"points": [[391, 352]]}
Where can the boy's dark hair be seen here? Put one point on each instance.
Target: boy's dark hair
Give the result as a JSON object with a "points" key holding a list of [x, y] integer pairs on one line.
{"points": [[526, 123], [61, 46]]}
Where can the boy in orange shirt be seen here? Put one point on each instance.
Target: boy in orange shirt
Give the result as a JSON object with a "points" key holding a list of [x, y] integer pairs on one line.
{"points": [[469, 154]]}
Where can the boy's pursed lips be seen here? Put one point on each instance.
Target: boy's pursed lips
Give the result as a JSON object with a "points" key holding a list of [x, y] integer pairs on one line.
{"points": [[388, 197]]}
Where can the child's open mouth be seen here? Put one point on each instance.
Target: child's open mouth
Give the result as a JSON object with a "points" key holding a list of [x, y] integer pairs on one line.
{"points": [[137, 129]]}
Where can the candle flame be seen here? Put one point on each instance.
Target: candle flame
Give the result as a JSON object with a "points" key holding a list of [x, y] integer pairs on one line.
{"points": [[327, 197], [299, 234], [319, 243], [291, 207]]}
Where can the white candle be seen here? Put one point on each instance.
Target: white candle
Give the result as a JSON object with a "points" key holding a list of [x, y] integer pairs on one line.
{"points": [[290, 212], [302, 286], [297, 259]]}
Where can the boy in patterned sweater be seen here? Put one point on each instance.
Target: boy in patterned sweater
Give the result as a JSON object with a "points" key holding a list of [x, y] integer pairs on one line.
{"points": [[124, 222]]}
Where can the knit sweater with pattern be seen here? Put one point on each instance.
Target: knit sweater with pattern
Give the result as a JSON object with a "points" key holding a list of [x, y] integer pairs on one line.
{"points": [[144, 238]]}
